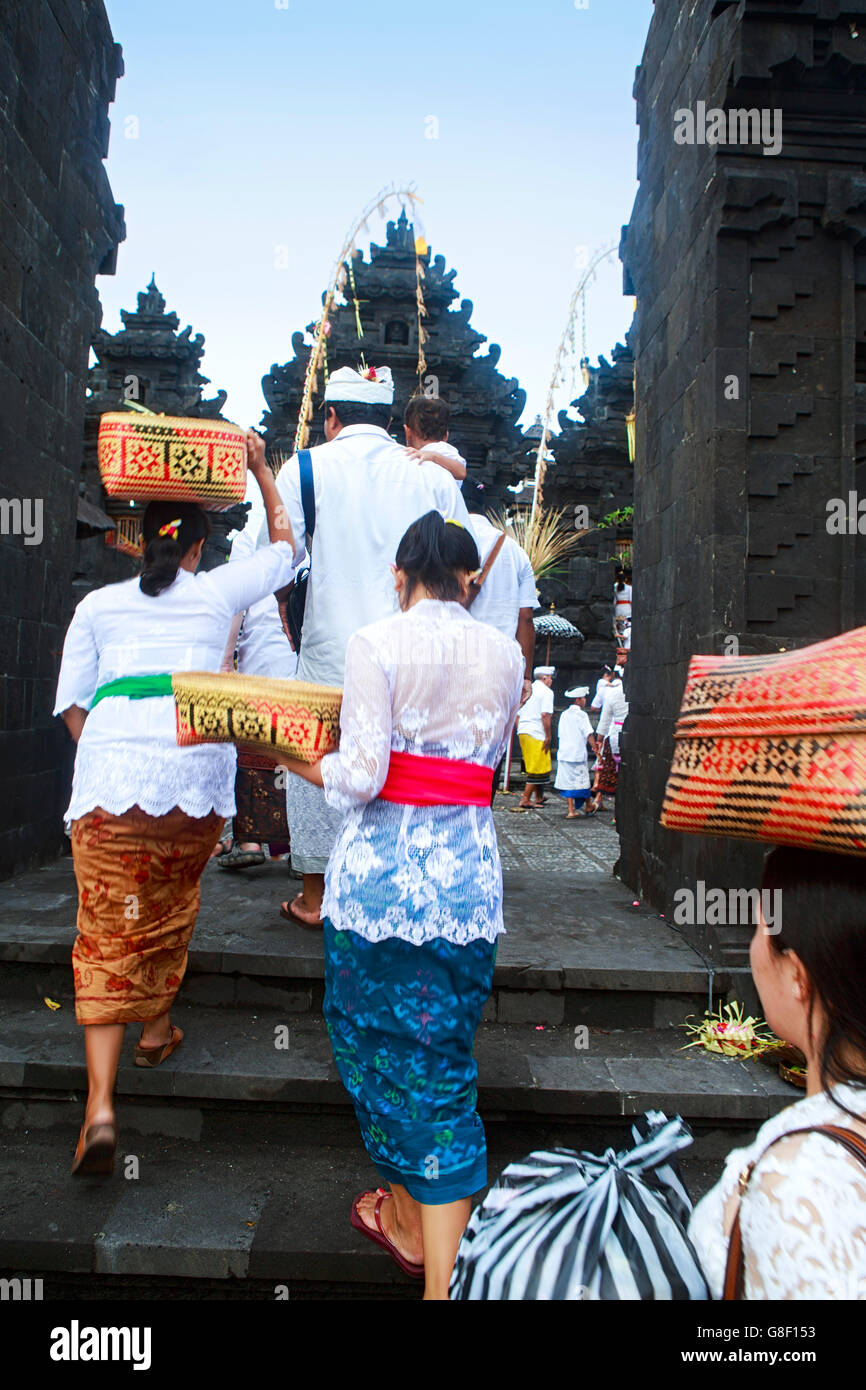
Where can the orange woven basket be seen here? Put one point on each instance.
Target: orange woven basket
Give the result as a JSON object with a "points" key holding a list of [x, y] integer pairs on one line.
{"points": [[297, 718], [774, 748], [144, 458]]}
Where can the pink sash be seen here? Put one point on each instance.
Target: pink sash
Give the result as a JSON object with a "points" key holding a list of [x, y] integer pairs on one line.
{"points": [[417, 781]]}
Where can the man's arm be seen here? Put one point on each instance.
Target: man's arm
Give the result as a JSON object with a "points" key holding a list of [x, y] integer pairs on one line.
{"points": [[546, 721], [526, 640]]}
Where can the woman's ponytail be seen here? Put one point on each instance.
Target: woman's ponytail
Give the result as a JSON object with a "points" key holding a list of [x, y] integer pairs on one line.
{"points": [[169, 529], [436, 553]]}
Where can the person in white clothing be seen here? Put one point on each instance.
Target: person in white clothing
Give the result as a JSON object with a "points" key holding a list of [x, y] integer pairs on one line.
{"points": [[603, 684], [614, 712], [572, 763], [263, 649], [367, 492], [413, 904], [534, 724], [145, 814], [425, 425], [801, 1197]]}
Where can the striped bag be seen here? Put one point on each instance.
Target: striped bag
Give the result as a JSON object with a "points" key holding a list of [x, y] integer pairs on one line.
{"points": [[566, 1226]]}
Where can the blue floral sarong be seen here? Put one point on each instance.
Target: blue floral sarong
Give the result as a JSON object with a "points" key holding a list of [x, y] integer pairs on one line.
{"points": [[402, 1022]]}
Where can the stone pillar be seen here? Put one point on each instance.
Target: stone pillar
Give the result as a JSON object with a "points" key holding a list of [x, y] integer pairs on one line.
{"points": [[749, 269], [60, 228]]}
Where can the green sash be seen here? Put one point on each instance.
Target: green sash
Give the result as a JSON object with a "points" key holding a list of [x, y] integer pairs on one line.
{"points": [[134, 688]]}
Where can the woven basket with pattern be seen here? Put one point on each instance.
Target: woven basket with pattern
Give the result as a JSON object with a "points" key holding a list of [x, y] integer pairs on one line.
{"points": [[291, 717], [774, 747], [146, 458]]}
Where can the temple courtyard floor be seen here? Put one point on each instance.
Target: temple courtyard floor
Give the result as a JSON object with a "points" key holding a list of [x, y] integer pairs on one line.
{"points": [[240, 1156]]}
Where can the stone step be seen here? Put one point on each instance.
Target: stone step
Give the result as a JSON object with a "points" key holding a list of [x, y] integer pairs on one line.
{"points": [[279, 1227], [576, 949], [240, 1055]]}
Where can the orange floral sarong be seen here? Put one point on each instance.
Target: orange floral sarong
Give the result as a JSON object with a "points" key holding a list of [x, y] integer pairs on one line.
{"points": [[138, 897]]}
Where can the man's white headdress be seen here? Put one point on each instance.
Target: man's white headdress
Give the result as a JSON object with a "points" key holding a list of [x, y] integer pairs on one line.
{"points": [[369, 386]]}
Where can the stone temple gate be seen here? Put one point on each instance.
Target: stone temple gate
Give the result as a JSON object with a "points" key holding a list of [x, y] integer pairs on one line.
{"points": [[749, 269]]}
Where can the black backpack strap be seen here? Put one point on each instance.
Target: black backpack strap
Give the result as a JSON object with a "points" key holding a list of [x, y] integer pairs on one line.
{"points": [[308, 491]]}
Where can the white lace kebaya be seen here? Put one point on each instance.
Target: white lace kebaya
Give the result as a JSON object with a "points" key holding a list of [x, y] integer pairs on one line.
{"points": [[803, 1217], [127, 754], [432, 682]]}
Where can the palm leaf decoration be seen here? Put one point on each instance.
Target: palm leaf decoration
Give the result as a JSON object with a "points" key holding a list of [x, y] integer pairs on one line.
{"points": [[547, 537]]}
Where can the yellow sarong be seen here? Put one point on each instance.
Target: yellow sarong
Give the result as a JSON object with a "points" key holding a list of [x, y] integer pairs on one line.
{"points": [[536, 758]]}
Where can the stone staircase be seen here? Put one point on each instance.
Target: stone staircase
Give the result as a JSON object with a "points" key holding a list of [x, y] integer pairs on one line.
{"points": [[238, 1159]]}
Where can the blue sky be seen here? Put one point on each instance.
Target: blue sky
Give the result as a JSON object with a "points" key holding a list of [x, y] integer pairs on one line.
{"points": [[242, 126]]}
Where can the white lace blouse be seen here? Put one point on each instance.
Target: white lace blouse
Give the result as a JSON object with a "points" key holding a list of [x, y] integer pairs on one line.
{"points": [[803, 1218], [435, 682], [127, 754]]}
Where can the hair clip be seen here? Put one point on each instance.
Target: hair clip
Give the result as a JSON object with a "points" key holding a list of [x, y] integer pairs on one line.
{"points": [[170, 528], [452, 521]]}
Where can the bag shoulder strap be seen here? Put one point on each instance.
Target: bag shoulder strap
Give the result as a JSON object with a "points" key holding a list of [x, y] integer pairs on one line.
{"points": [[477, 584], [735, 1267], [308, 491]]}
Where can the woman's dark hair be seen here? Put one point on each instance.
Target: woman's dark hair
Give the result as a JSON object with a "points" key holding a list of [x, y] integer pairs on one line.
{"points": [[163, 554], [434, 552], [823, 902]]}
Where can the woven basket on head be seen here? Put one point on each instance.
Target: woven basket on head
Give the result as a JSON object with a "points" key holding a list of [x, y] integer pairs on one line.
{"points": [[276, 716], [774, 748], [145, 458]]}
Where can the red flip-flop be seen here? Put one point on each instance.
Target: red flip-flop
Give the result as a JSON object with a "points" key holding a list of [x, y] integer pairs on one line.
{"points": [[379, 1237]]}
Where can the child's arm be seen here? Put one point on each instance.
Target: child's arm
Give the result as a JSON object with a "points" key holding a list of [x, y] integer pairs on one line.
{"points": [[453, 463]]}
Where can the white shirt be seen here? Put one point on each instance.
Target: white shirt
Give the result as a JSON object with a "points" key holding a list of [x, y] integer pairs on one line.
{"points": [[598, 698], [803, 1217], [368, 492], [128, 752], [574, 729], [614, 712], [434, 683], [510, 582], [622, 601], [263, 647], [540, 702]]}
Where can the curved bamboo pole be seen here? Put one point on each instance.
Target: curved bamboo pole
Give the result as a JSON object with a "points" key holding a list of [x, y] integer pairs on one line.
{"points": [[567, 337], [338, 279]]}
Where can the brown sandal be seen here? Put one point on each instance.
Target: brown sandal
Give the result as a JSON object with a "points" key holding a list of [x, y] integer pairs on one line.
{"points": [[152, 1056], [94, 1154]]}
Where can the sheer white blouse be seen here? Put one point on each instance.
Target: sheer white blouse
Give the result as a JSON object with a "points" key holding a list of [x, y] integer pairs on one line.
{"points": [[803, 1217], [127, 754], [434, 682]]}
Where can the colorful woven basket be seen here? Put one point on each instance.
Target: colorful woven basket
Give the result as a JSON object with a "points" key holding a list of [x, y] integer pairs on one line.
{"points": [[774, 748], [145, 457], [291, 717]]}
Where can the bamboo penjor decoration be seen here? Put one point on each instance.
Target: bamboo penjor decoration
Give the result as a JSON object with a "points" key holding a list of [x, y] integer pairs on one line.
{"points": [[404, 197], [567, 338]]}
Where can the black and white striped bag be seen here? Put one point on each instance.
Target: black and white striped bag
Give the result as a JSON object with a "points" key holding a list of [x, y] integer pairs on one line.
{"points": [[564, 1225]]}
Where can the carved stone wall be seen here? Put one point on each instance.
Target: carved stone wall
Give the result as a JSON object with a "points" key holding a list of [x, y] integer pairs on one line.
{"points": [[151, 361], [750, 371], [591, 469], [59, 228], [484, 404]]}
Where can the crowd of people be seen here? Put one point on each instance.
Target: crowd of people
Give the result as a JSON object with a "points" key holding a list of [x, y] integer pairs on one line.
{"points": [[421, 611]]}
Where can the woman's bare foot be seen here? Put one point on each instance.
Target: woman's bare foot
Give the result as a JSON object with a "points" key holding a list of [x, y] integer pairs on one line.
{"points": [[409, 1243], [299, 909], [156, 1033]]}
